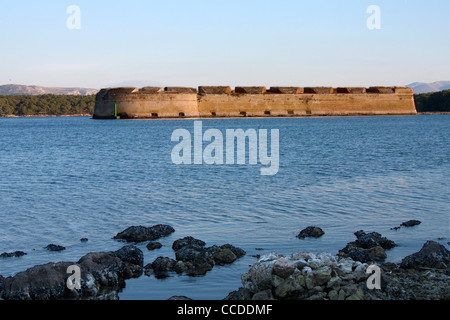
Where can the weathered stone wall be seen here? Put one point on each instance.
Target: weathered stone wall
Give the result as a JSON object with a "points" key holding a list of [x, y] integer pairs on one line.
{"points": [[253, 102]]}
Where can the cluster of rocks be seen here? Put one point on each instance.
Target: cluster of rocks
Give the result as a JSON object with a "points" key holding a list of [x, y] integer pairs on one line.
{"points": [[307, 276], [102, 276], [193, 258], [368, 247]]}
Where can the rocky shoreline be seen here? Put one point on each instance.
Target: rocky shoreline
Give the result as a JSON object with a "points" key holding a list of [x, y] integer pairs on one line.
{"points": [[424, 275], [306, 276], [103, 274]]}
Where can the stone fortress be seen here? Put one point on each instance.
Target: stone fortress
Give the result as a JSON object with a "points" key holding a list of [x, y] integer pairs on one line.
{"points": [[223, 102]]}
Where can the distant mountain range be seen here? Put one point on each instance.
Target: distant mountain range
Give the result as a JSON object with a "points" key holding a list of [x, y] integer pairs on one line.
{"points": [[421, 87], [17, 89]]}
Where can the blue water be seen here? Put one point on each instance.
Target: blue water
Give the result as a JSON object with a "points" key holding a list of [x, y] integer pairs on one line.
{"points": [[62, 179]]}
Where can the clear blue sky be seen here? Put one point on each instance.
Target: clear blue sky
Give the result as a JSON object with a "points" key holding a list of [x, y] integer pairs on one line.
{"points": [[205, 42]]}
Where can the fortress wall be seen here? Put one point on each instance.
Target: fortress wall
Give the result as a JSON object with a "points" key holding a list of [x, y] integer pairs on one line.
{"points": [[305, 105], [153, 102]]}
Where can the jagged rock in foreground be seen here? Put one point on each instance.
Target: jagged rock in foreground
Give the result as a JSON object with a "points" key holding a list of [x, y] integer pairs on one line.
{"points": [[432, 255], [103, 274], [307, 276]]}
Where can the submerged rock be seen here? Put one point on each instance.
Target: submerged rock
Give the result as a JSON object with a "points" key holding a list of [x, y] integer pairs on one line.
{"points": [[102, 276], [154, 246], [411, 223], [187, 241], [54, 247], [179, 298], [408, 224], [161, 267], [15, 254], [225, 254], [141, 234], [311, 232]]}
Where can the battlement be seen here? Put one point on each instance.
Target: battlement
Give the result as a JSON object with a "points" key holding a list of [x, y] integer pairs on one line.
{"points": [[257, 101]]}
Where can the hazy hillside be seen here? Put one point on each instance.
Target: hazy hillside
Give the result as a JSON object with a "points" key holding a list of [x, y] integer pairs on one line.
{"points": [[17, 89], [421, 87]]}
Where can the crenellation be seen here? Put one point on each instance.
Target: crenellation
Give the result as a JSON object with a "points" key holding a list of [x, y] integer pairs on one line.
{"points": [[250, 90], [383, 90], [319, 90]]}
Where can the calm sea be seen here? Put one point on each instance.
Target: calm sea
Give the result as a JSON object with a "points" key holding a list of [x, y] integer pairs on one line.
{"points": [[62, 179]]}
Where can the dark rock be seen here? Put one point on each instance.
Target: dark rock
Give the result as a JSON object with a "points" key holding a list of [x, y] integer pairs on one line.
{"points": [[133, 259], [225, 254], [187, 241], [377, 254], [54, 247], [44, 282], [201, 259], [179, 298], [411, 223], [358, 254], [222, 255], [15, 254], [154, 245], [163, 265], [102, 276], [84, 240], [373, 239], [312, 232], [241, 294], [237, 251], [368, 247], [141, 234], [432, 255]]}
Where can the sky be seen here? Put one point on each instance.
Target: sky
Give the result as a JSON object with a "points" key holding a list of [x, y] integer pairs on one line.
{"points": [[235, 43]]}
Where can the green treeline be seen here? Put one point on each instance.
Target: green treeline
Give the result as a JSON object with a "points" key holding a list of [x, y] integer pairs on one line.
{"points": [[48, 104], [433, 102]]}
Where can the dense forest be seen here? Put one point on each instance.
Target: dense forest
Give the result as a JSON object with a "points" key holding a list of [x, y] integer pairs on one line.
{"points": [[27, 105], [433, 102]]}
